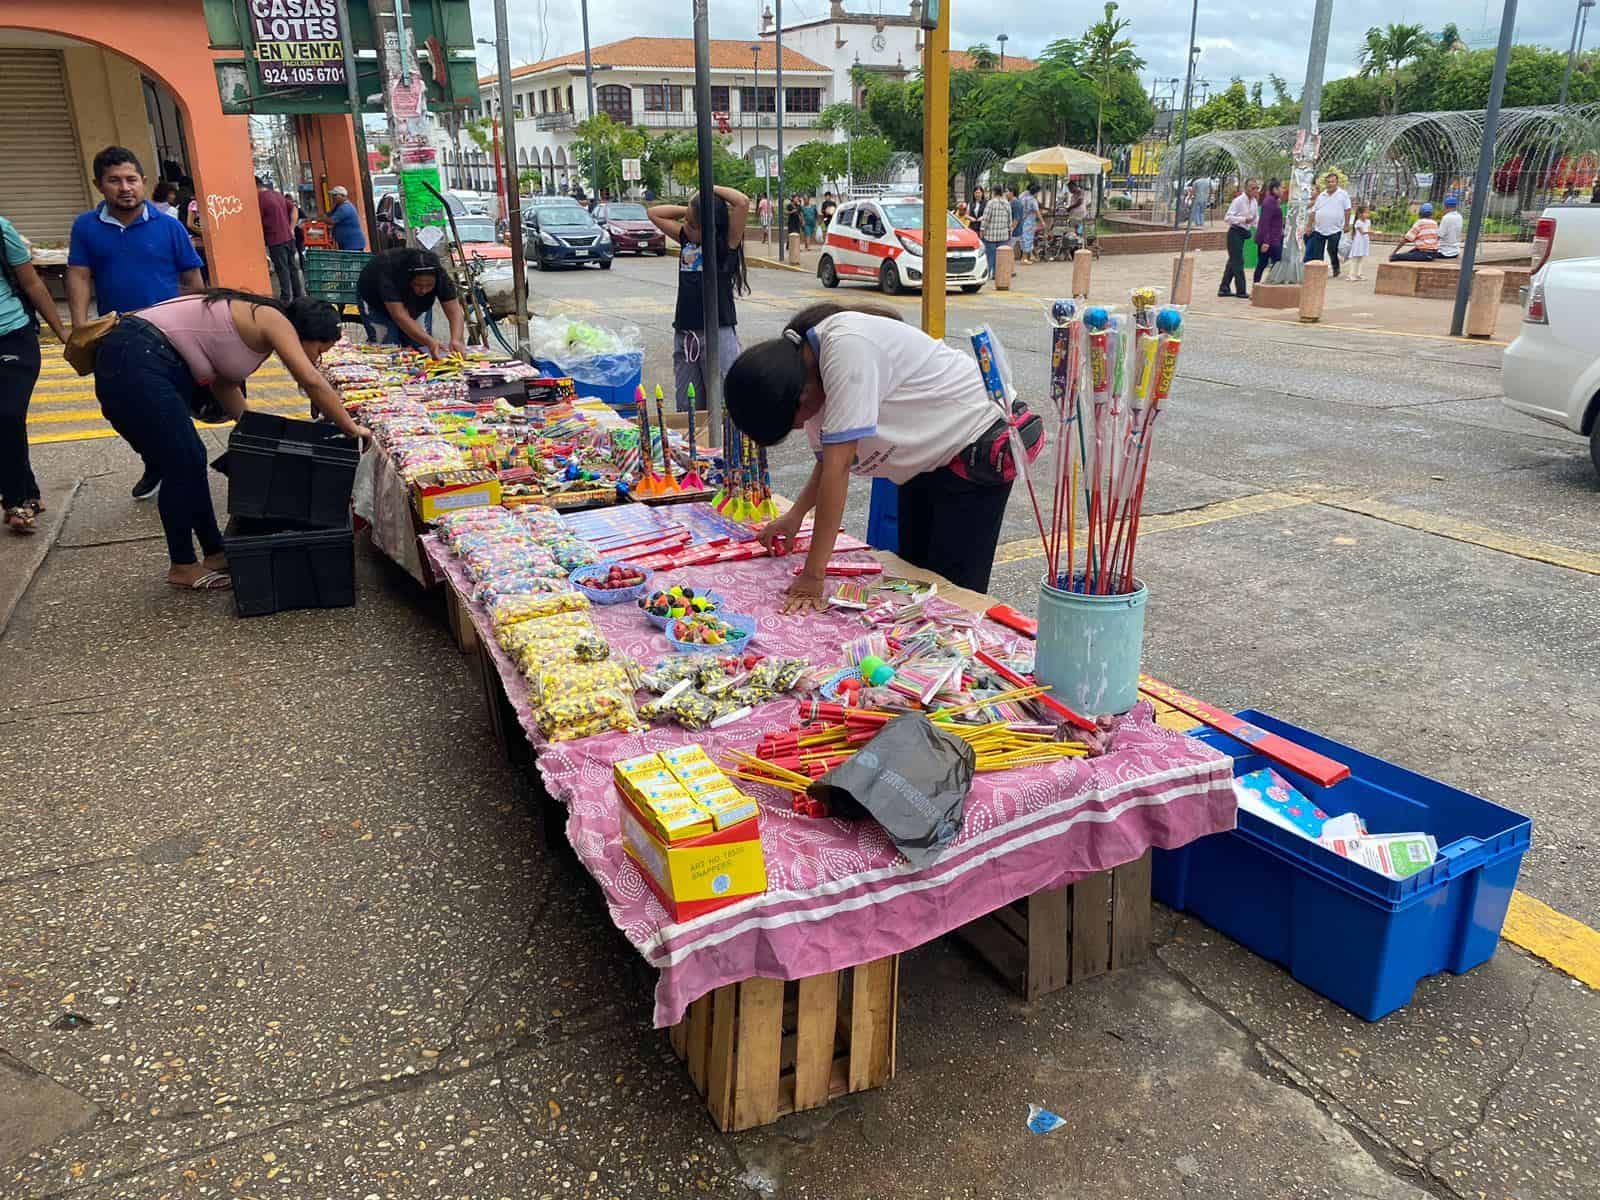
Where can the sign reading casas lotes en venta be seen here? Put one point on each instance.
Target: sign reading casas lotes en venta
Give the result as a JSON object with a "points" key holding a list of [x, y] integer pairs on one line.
{"points": [[297, 42]]}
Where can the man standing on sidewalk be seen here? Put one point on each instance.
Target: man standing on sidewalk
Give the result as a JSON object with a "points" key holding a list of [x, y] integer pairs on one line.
{"points": [[128, 255], [1241, 218], [277, 226]]}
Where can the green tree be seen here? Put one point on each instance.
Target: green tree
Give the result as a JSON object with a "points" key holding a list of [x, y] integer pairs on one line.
{"points": [[1533, 76], [1105, 55], [601, 146], [1384, 52], [1351, 97], [895, 107], [983, 58], [847, 117]]}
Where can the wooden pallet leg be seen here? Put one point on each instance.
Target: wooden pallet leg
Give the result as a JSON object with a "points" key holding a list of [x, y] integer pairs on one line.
{"points": [[1049, 967], [697, 1026], [1091, 926], [814, 1037], [872, 1016], [1130, 913], [719, 1063], [758, 1053]]}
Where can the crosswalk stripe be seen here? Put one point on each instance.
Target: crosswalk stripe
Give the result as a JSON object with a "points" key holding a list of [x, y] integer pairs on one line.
{"points": [[287, 404]]}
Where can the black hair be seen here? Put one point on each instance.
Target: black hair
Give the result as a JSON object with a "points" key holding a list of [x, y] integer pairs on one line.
{"points": [[733, 259], [1033, 189], [313, 320], [1274, 184], [762, 388], [114, 156], [163, 191]]}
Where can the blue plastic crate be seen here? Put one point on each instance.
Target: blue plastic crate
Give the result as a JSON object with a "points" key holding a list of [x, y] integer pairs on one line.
{"points": [[613, 378], [1357, 937], [883, 516]]}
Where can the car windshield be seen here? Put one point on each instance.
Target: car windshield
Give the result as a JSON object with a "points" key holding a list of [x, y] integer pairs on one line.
{"points": [[909, 216], [566, 216], [626, 212], [475, 229]]}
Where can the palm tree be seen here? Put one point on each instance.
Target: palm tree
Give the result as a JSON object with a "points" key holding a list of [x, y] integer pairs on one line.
{"points": [[1106, 53], [1385, 51]]}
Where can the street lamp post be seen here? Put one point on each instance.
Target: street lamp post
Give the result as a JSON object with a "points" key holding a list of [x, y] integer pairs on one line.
{"points": [[1002, 38], [1188, 97], [755, 84], [1579, 16]]}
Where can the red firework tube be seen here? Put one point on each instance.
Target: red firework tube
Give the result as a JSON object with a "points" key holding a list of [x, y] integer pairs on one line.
{"points": [[1320, 769], [1016, 680], [1004, 614]]}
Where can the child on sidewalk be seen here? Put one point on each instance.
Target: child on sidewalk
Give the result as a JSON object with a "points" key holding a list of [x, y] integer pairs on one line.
{"points": [[1360, 241], [731, 209]]}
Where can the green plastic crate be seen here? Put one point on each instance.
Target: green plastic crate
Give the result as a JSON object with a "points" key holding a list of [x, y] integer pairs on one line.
{"points": [[332, 275]]}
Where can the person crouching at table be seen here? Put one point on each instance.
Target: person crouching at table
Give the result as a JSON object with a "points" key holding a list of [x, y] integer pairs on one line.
{"points": [[880, 399]]}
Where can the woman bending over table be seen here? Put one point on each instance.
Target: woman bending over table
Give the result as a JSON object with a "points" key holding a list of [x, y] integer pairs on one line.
{"points": [[879, 399], [148, 369]]}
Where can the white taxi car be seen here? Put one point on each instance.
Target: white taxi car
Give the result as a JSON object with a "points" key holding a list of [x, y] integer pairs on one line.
{"points": [[880, 241]]}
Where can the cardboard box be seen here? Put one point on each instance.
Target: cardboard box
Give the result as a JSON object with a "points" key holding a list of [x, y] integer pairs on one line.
{"points": [[434, 501], [698, 875]]}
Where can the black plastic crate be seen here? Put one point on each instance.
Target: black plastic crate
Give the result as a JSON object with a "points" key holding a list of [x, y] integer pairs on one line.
{"points": [[283, 565], [290, 470]]}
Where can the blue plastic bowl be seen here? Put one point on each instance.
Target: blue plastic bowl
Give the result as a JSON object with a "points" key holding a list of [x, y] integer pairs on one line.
{"points": [[661, 623], [745, 625], [607, 595]]}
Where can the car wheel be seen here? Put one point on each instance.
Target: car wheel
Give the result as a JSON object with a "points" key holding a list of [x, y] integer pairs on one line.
{"points": [[971, 288], [661, 252], [889, 279], [605, 264], [827, 272], [1594, 447]]}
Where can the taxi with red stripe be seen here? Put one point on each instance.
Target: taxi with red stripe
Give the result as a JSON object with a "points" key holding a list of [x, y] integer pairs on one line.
{"points": [[880, 241]]}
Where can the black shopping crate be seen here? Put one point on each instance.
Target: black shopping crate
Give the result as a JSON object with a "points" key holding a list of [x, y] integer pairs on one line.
{"points": [[282, 565], [290, 470]]}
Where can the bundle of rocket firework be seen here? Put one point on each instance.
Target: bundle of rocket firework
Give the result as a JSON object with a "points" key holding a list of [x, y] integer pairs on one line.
{"points": [[1110, 375], [744, 485]]}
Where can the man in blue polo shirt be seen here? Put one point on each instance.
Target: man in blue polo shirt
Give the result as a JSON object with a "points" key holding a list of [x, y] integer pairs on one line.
{"points": [[129, 254]]}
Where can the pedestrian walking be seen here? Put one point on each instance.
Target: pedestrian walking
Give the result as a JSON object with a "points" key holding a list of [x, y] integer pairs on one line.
{"points": [[1028, 226], [1014, 202], [1241, 217], [345, 221], [791, 216], [24, 301], [161, 198], [277, 227], [397, 290], [1330, 212], [148, 369], [979, 203], [129, 257], [1421, 241], [995, 229], [1360, 241], [1269, 229], [808, 214], [764, 211], [1199, 200], [825, 214], [730, 210]]}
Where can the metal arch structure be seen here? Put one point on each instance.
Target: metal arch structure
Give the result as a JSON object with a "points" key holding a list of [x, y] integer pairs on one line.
{"points": [[1541, 153]]}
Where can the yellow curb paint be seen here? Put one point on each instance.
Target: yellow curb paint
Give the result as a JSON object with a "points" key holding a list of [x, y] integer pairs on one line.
{"points": [[286, 404], [1223, 510], [1473, 535], [105, 431], [1566, 944]]}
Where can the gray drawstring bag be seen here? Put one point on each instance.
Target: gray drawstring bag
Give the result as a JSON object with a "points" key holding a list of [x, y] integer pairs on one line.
{"points": [[912, 779]]}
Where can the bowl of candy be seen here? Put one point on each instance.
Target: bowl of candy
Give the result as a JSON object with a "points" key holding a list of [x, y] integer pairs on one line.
{"points": [[663, 606], [609, 582], [720, 633]]}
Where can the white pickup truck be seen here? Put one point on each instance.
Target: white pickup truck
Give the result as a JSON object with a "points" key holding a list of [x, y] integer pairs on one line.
{"points": [[1552, 370]]}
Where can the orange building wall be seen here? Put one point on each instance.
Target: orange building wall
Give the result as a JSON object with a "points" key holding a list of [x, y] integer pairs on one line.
{"points": [[168, 39], [328, 143]]}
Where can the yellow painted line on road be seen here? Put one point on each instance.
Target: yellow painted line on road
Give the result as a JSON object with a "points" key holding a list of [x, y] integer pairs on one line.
{"points": [[1189, 518], [286, 404], [1472, 535], [1566, 944]]}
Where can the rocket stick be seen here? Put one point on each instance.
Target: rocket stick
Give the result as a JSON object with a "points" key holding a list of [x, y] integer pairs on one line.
{"points": [[649, 485], [692, 481], [669, 480], [1162, 387], [986, 349]]}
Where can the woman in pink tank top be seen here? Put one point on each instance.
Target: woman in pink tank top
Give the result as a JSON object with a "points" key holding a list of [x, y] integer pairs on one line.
{"points": [[149, 369]]}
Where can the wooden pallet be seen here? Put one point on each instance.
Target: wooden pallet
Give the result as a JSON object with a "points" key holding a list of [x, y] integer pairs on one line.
{"points": [[1048, 940], [459, 619], [765, 1048]]}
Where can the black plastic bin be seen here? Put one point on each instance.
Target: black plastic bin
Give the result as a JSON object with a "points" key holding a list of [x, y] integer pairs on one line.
{"points": [[282, 565], [290, 470]]}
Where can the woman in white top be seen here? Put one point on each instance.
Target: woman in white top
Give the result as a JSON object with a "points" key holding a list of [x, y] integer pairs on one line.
{"points": [[880, 399]]}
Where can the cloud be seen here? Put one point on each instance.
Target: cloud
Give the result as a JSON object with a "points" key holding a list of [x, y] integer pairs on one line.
{"points": [[1237, 37]]}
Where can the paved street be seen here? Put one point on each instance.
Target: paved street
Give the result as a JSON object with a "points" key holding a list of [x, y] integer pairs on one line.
{"points": [[318, 947]]}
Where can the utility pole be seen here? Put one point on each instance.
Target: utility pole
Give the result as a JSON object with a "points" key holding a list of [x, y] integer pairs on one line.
{"points": [[710, 251], [1578, 16], [1188, 97], [935, 169], [508, 123], [588, 87], [778, 218], [1480, 183], [1290, 268], [352, 84]]}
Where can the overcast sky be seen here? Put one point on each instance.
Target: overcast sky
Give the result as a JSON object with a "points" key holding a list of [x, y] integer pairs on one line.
{"points": [[1249, 38]]}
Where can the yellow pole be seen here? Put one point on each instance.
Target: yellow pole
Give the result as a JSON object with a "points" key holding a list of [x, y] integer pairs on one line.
{"points": [[935, 169]]}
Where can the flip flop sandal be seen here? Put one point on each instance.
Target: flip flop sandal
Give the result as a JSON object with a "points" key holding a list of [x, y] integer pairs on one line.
{"points": [[37, 505], [20, 520], [211, 581]]}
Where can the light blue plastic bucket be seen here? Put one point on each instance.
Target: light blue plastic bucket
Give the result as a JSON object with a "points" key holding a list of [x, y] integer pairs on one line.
{"points": [[1089, 648]]}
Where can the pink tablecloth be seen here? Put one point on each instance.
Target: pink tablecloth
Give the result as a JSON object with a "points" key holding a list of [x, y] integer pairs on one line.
{"points": [[838, 892]]}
